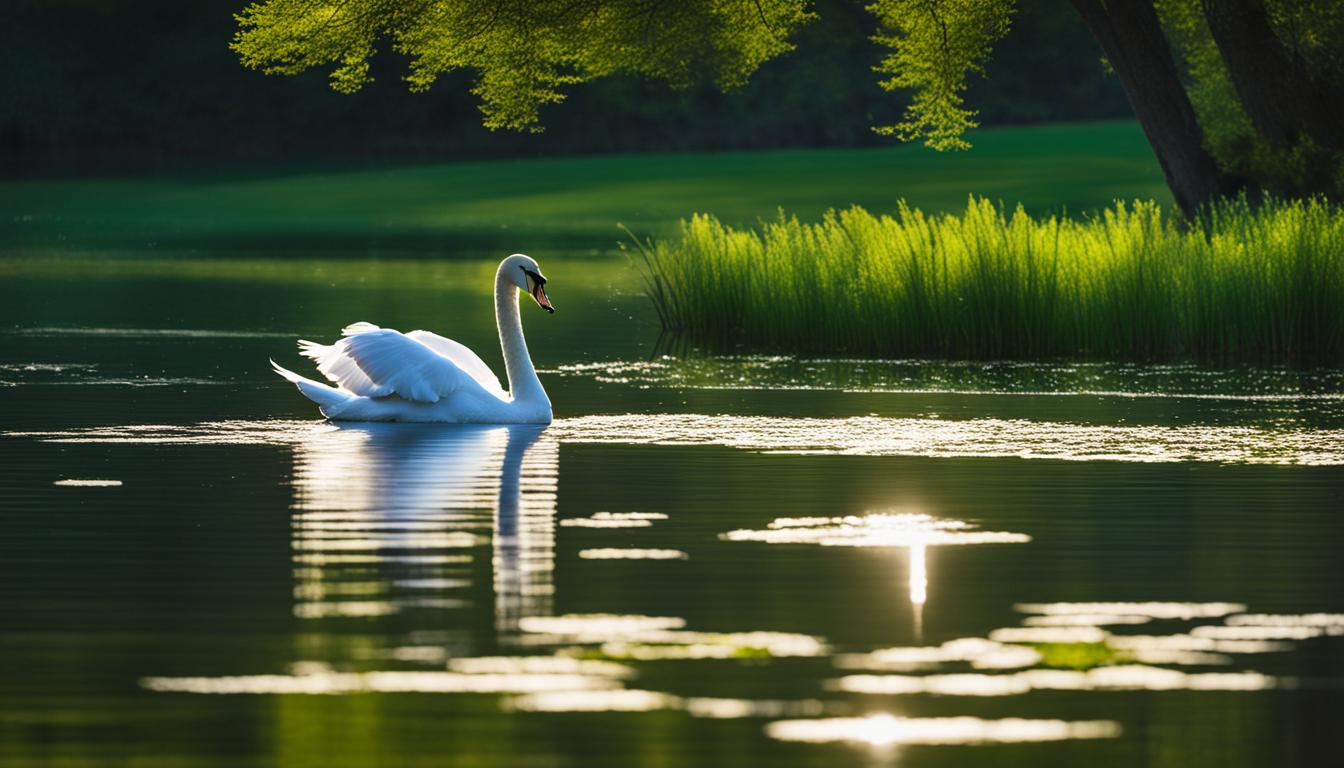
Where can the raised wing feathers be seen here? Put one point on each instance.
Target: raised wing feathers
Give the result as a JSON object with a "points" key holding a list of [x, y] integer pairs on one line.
{"points": [[341, 369], [360, 327], [421, 366], [464, 358]]}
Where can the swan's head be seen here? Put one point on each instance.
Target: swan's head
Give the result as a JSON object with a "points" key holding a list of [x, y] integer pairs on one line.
{"points": [[524, 272]]}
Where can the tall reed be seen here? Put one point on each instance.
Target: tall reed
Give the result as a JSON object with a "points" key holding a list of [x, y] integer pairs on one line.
{"points": [[1246, 283]]}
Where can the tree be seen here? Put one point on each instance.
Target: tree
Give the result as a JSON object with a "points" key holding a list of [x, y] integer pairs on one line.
{"points": [[1230, 93], [524, 51], [1130, 35]]}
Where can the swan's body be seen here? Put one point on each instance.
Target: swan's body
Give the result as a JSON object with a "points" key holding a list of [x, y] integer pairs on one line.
{"points": [[385, 375]]}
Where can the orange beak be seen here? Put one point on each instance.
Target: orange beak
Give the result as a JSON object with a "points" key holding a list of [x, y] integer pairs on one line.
{"points": [[539, 293]]}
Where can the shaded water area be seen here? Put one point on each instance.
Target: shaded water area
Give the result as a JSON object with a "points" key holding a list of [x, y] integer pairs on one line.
{"points": [[704, 561]]}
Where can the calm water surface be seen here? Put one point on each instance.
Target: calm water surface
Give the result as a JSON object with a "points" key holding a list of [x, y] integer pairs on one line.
{"points": [[705, 561]]}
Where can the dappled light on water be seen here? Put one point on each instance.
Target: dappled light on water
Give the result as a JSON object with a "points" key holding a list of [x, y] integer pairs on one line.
{"points": [[979, 653], [915, 530], [1327, 621], [151, 333], [914, 376], [1013, 661], [942, 438], [633, 700], [650, 638], [614, 520], [1148, 610], [853, 436], [1118, 678], [380, 682], [626, 700], [405, 539], [632, 553], [887, 730], [539, 665]]}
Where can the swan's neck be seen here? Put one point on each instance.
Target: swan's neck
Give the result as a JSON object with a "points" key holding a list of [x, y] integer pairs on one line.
{"points": [[523, 382]]}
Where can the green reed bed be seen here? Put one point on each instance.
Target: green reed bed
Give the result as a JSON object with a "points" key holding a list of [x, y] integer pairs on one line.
{"points": [[1253, 283]]}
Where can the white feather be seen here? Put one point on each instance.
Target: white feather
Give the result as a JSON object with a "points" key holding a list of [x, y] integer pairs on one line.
{"points": [[396, 363], [463, 357], [341, 369]]}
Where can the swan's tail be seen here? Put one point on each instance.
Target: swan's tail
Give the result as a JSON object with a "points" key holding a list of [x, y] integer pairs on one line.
{"points": [[325, 396]]}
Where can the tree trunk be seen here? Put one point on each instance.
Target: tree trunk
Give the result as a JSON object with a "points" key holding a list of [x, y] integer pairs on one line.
{"points": [[1131, 37], [1277, 89]]}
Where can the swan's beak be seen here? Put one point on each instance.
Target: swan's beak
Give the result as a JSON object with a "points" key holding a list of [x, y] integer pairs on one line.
{"points": [[537, 287]]}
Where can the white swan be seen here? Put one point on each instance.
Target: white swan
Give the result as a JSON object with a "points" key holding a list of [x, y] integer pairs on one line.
{"points": [[384, 375]]}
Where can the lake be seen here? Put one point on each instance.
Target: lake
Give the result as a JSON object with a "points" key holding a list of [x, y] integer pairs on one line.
{"points": [[738, 561]]}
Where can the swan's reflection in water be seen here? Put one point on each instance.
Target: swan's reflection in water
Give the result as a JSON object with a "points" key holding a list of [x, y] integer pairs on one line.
{"points": [[524, 530], [388, 517]]}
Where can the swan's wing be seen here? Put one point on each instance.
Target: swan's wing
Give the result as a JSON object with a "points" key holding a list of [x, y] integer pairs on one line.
{"points": [[360, 327], [376, 362], [463, 356], [341, 369]]}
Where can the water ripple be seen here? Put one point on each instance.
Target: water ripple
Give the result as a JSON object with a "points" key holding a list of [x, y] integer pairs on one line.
{"points": [[856, 436], [131, 333], [1099, 379], [1021, 438]]}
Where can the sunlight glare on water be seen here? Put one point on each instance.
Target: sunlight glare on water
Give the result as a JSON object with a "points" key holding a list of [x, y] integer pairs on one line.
{"points": [[614, 520], [1117, 678], [872, 529], [854, 436], [380, 682], [650, 638], [887, 730], [632, 553], [945, 438], [916, 376], [1153, 610]]}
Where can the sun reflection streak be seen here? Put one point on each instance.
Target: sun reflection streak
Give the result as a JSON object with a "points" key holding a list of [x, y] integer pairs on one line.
{"points": [[915, 532], [919, 586]]}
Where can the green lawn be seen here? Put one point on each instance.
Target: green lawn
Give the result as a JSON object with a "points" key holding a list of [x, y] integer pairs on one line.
{"points": [[533, 204]]}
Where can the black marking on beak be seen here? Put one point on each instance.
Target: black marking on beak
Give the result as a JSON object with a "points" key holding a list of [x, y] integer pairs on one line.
{"points": [[536, 284]]}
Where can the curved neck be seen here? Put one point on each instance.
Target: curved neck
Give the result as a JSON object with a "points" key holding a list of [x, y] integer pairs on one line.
{"points": [[523, 381]]}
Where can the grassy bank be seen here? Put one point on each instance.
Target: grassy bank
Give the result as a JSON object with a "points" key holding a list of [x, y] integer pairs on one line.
{"points": [[573, 202], [1254, 285]]}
